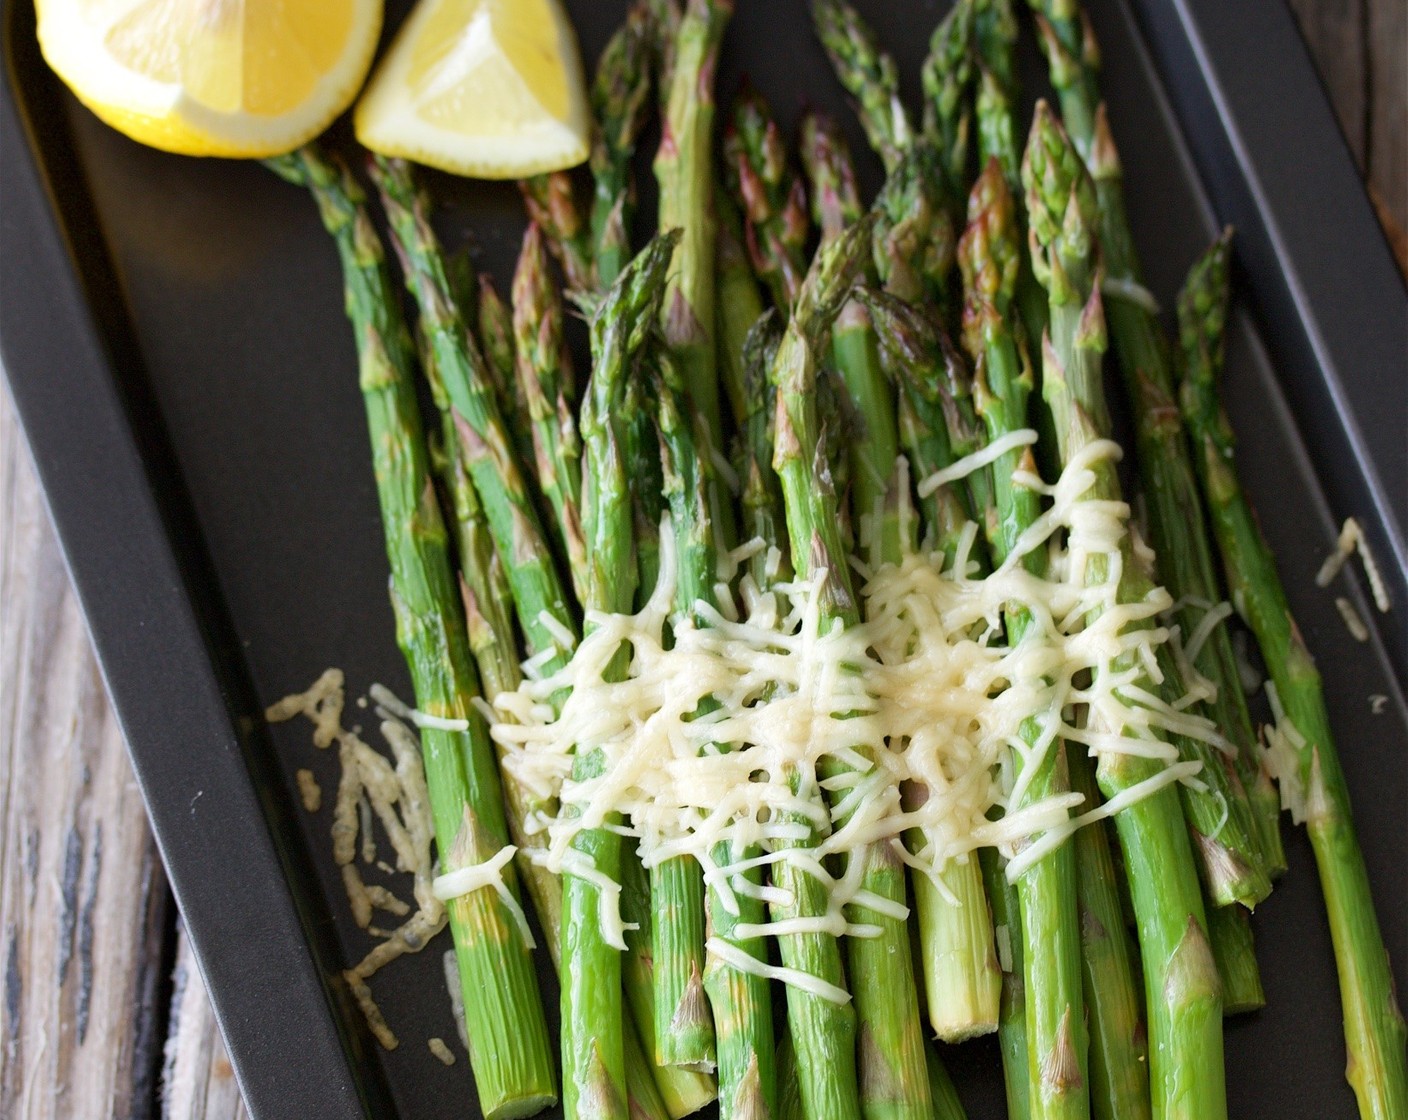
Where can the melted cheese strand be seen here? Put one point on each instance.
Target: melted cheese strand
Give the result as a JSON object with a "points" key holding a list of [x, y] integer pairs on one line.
{"points": [[909, 721]]}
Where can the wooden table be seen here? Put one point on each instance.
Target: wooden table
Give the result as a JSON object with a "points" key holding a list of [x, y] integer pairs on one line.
{"points": [[104, 1014]]}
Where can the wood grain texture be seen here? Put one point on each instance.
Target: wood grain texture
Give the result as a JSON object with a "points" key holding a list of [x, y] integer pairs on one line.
{"points": [[197, 1082], [1387, 34], [1335, 33], [1360, 48], [83, 899]]}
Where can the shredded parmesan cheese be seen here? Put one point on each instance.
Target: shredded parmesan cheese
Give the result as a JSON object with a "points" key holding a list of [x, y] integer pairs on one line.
{"points": [[1352, 538], [1131, 291], [476, 876], [442, 1052], [309, 792], [1353, 623], [814, 731], [388, 700], [393, 793]]}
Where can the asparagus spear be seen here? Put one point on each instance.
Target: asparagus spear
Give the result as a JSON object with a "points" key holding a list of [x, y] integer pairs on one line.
{"points": [[1119, 1043], [495, 324], [962, 976], [773, 198], [868, 74], [552, 203], [820, 1074], [854, 350], [1180, 978], [1012, 1012], [592, 1057], [1374, 1028], [742, 1004], [484, 589], [739, 304], [1177, 519], [683, 1091], [544, 375], [989, 253], [1073, 59], [494, 469], [1235, 865], [684, 1029], [917, 354], [914, 234], [893, 1078], [620, 95], [542, 608], [509, 1047], [684, 170], [947, 76]]}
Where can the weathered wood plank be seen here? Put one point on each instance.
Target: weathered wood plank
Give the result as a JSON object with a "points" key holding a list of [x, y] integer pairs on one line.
{"points": [[84, 901], [1334, 31], [1388, 115], [197, 1081]]}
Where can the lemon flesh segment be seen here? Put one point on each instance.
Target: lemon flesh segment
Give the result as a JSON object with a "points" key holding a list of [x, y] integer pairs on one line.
{"points": [[247, 78], [487, 88]]}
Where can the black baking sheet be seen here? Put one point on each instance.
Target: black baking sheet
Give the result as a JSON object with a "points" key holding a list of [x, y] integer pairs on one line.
{"points": [[172, 330]]}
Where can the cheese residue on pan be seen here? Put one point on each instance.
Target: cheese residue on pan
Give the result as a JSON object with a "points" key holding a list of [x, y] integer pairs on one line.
{"points": [[391, 791], [818, 741], [1352, 539]]}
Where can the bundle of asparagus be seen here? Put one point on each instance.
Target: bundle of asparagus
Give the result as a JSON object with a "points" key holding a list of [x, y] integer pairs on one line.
{"points": [[774, 436]]}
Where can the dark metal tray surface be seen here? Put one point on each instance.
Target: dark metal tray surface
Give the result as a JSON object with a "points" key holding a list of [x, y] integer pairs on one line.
{"points": [[174, 339]]}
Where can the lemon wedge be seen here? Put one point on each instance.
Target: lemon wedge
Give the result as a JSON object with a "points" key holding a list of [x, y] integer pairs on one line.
{"points": [[247, 78], [486, 88]]}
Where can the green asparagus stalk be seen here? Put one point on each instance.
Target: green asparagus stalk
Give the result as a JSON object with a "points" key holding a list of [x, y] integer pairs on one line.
{"points": [[741, 1001], [1176, 517], [509, 1047], [1119, 1045], [543, 374], [739, 304], [917, 354], [1182, 990], [1012, 1011], [995, 111], [595, 1073], [485, 444], [962, 975], [495, 323], [942, 1091], [684, 170], [1235, 868], [1234, 950], [683, 1091], [620, 99], [819, 1069], [989, 255], [773, 199], [1374, 1028], [868, 74], [552, 203], [592, 1048], [893, 1077], [854, 349], [947, 75], [485, 591], [684, 1028], [914, 235], [1073, 60]]}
